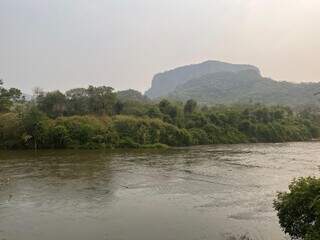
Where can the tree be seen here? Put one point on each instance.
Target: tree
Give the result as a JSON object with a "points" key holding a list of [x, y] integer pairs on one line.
{"points": [[247, 127], [37, 91], [118, 107], [54, 104], [169, 110], [199, 136], [77, 101], [8, 97], [196, 120], [10, 130], [262, 115], [101, 100], [153, 112], [59, 136], [299, 209], [190, 106], [35, 126]]}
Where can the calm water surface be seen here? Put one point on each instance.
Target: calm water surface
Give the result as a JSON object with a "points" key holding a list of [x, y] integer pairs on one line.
{"points": [[196, 193]]}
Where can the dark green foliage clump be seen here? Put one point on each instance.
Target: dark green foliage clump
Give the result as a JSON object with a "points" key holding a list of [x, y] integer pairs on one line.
{"points": [[299, 209]]}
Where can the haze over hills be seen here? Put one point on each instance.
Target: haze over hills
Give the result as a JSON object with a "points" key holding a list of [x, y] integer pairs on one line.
{"points": [[215, 82]]}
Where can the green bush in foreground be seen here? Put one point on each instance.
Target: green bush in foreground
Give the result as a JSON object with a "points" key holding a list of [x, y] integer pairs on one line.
{"points": [[299, 209]]}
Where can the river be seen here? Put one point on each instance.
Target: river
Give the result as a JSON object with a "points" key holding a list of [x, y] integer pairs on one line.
{"points": [[194, 193]]}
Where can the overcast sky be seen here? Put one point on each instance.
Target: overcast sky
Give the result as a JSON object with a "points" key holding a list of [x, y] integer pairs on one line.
{"points": [[63, 44]]}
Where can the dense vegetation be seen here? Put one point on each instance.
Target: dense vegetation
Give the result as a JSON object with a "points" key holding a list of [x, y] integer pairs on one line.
{"points": [[97, 117], [214, 82], [299, 209]]}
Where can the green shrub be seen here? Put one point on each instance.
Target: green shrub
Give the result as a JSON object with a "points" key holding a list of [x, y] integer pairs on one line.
{"points": [[11, 131], [199, 136], [81, 129], [36, 126], [213, 133], [299, 209], [128, 143], [59, 136]]}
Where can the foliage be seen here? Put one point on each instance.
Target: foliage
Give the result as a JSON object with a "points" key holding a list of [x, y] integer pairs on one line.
{"points": [[190, 106], [101, 99], [8, 97], [11, 131], [36, 126], [87, 130], [95, 117], [132, 95], [146, 131], [169, 111], [199, 136], [79, 101], [299, 209], [54, 104]]}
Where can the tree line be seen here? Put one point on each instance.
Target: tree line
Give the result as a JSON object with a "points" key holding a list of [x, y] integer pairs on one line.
{"points": [[99, 117]]}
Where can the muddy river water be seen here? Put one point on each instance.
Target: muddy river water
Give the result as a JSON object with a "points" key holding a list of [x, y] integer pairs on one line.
{"points": [[195, 193]]}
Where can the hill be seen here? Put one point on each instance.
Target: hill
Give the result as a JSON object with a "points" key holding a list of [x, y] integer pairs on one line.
{"points": [[166, 82], [233, 84]]}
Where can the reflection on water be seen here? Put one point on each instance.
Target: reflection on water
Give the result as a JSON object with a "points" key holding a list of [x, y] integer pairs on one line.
{"points": [[206, 192]]}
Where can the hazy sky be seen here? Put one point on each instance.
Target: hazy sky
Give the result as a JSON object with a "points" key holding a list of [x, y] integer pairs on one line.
{"points": [[62, 44]]}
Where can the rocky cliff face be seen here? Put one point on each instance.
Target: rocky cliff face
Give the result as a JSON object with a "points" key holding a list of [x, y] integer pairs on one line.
{"points": [[166, 82]]}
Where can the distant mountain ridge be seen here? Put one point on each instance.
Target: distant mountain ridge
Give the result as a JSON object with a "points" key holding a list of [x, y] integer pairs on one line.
{"points": [[214, 82], [166, 82]]}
